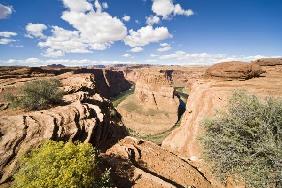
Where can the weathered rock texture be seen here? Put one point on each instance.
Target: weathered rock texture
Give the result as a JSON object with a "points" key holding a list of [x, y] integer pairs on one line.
{"points": [[139, 163], [207, 96], [234, 70], [153, 108], [268, 61], [109, 83], [85, 117]]}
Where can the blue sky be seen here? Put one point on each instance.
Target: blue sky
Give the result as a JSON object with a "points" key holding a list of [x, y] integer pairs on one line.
{"points": [[81, 32]]}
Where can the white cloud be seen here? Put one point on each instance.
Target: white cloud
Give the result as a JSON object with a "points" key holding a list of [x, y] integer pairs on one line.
{"points": [[146, 35], [35, 30], [64, 41], [5, 11], [185, 58], [67, 62], [126, 18], [97, 27], [7, 34], [4, 41], [166, 9], [136, 49], [105, 5], [154, 55], [164, 47], [179, 11], [5, 37], [151, 20], [94, 30], [126, 55], [78, 5]]}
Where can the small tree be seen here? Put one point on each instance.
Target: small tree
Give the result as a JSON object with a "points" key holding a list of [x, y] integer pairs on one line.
{"points": [[245, 141], [37, 95], [60, 165]]}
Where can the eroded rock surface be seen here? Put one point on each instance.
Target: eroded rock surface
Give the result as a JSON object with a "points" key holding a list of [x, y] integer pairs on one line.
{"points": [[234, 70], [207, 96], [268, 61], [153, 108], [139, 163], [86, 116]]}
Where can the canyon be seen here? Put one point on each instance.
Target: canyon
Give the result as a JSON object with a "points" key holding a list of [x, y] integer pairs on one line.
{"points": [[149, 139]]}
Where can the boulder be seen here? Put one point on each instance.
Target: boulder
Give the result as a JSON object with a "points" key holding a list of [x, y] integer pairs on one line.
{"points": [[234, 70]]}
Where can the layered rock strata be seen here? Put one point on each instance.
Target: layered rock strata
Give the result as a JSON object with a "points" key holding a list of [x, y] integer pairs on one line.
{"points": [[86, 116]]}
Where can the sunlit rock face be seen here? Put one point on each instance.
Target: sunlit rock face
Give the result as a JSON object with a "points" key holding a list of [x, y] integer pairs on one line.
{"points": [[85, 116], [153, 108]]}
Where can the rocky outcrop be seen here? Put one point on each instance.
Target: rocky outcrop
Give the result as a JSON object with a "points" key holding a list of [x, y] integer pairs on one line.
{"points": [[234, 70], [28, 72], [86, 116], [268, 61], [138, 163], [205, 98], [153, 108], [109, 83]]}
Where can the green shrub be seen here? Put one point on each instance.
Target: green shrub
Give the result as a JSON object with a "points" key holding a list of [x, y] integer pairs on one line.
{"points": [[59, 165], [37, 95], [245, 141]]}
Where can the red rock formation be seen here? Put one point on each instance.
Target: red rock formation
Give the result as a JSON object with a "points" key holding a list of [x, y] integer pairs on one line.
{"points": [[145, 164], [234, 70], [153, 108], [88, 118], [268, 61]]}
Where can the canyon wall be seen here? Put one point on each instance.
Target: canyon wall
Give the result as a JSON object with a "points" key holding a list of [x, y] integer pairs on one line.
{"points": [[153, 108], [85, 116]]}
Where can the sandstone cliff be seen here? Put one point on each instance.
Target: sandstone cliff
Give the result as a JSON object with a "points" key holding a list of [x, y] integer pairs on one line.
{"points": [[86, 116], [153, 108], [207, 96]]}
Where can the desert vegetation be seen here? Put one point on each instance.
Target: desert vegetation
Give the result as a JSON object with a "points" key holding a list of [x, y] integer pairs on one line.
{"points": [[245, 141], [37, 95], [59, 164]]}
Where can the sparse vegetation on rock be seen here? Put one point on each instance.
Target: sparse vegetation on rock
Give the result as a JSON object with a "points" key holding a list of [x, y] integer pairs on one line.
{"points": [[246, 141], [37, 95], [56, 164]]}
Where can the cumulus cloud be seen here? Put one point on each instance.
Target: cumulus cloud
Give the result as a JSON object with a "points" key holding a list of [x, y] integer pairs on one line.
{"points": [[94, 30], [35, 30], [6, 37], [78, 5], [5, 11], [166, 9], [146, 35], [164, 47], [136, 49], [151, 20], [126, 18], [64, 41], [97, 27]]}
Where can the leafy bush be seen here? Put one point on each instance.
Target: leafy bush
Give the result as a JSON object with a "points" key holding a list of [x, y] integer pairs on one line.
{"points": [[245, 141], [37, 95], [60, 165]]}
